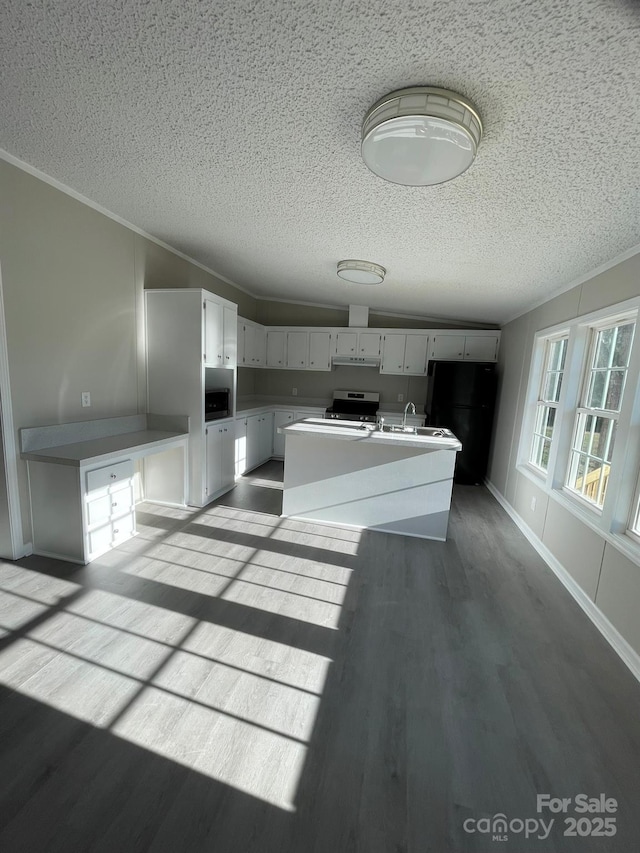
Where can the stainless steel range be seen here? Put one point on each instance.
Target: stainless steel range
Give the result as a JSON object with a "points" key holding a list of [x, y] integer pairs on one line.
{"points": [[354, 406]]}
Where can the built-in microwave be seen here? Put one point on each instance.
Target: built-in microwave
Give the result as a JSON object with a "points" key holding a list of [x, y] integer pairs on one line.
{"points": [[216, 404]]}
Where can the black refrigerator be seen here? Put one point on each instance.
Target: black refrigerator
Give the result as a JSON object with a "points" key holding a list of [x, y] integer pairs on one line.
{"points": [[461, 396]]}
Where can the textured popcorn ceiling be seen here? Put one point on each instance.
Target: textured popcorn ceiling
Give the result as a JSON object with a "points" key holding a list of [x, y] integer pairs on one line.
{"points": [[230, 130]]}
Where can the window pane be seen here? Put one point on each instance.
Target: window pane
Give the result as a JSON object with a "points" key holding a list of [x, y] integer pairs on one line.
{"points": [[604, 341], [578, 466], [597, 387], [601, 428], [557, 354], [615, 389], [535, 450], [546, 449], [623, 345], [584, 436]]}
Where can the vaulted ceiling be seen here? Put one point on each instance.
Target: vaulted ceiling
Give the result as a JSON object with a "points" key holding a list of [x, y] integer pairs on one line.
{"points": [[230, 129]]}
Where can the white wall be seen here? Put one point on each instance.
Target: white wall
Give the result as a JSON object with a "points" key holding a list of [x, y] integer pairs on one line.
{"points": [[606, 576]]}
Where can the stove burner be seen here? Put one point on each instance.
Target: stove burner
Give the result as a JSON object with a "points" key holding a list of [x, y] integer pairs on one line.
{"points": [[354, 406]]}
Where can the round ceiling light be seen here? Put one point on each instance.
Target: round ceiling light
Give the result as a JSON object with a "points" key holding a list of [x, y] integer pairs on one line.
{"points": [[421, 136], [361, 272]]}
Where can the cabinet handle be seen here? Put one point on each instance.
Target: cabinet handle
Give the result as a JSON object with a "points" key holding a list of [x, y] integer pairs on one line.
{"points": [[113, 476], [116, 530], [114, 503]]}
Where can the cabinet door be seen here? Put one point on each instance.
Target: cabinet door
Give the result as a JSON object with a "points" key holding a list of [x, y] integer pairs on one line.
{"points": [[280, 418], [241, 446], [266, 437], [369, 344], [319, 351], [275, 348], [415, 355], [393, 347], [450, 347], [213, 334], [297, 349], [213, 445], [346, 343], [481, 348], [253, 441], [240, 342], [230, 335], [260, 345], [227, 455]]}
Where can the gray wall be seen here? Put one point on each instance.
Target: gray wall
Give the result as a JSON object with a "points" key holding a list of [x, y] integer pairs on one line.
{"points": [[606, 575], [319, 385], [288, 314], [73, 283]]}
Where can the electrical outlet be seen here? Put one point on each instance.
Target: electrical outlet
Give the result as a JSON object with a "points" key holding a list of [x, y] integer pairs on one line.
{"points": [[294, 392], [86, 399], [401, 398], [533, 504]]}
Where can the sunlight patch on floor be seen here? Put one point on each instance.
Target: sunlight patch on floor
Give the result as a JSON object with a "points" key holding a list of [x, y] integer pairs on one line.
{"points": [[236, 707]]}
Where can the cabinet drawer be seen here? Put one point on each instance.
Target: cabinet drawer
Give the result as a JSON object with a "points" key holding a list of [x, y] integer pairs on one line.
{"points": [[98, 478]]}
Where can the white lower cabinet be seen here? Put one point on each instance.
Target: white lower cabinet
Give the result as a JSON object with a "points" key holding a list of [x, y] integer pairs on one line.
{"points": [[220, 462], [280, 418], [259, 439], [109, 512], [241, 446]]}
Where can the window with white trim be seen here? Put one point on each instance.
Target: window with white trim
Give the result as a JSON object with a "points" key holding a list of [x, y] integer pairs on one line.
{"points": [[548, 399], [596, 418]]}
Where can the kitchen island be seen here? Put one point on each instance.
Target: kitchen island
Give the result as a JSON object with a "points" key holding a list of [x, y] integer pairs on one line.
{"points": [[354, 474]]}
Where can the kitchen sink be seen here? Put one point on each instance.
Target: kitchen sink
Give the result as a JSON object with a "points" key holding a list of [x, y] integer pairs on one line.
{"points": [[428, 431]]}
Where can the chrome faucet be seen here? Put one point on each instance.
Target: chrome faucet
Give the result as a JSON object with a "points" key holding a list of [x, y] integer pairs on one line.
{"points": [[411, 406]]}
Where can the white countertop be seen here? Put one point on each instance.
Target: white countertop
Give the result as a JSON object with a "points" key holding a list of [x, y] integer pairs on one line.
{"points": [[131, 444], [355, 431], [103, 440]]}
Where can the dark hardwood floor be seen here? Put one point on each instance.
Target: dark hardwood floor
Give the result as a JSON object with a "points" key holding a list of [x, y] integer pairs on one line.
{"points": [[232, 681]]}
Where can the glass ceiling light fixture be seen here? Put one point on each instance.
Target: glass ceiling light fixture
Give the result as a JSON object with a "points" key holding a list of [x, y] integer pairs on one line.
{"points": [[421, 136], [361, 272]]}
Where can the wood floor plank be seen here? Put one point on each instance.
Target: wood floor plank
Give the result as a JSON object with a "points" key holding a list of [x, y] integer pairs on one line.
{"points": [[234, 682]]}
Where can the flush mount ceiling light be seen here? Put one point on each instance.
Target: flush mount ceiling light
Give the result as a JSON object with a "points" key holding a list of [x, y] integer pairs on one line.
{"points": [[361, 272], [421, 136]]}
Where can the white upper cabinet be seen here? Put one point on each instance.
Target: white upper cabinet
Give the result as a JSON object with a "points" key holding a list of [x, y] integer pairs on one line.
{"points": [[393, 354], [230, 335], [369, 344], [346, 343], [401, 351], [415, 355], [253, 338], [481, 348], [298, 350], [465, 347], [220, 334], [276, 343], [404, 354], [213, 334], [319, 351]]}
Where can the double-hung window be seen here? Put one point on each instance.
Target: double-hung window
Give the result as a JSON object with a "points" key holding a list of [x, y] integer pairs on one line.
{"points": [[548, 399], [596, 417]]}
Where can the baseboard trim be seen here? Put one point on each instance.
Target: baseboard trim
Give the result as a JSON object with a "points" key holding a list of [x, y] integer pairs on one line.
{"points": [[615, 639]]}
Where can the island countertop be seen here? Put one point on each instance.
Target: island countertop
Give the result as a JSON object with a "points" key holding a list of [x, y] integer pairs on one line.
{"points": [[371, 434]]}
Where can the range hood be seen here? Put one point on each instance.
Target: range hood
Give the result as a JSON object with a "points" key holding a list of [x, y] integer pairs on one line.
{"points": [[358, 319], [354, 361]]}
